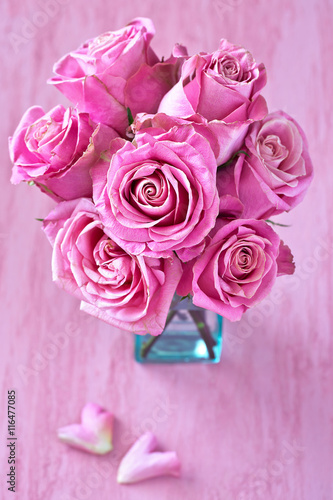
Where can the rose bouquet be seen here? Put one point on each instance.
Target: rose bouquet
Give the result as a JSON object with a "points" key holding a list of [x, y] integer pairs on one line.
{"points": [[164, 174]]}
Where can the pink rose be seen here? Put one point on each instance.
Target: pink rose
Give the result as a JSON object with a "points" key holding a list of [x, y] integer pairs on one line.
{"points": [[115, 71], [159, 195], [160, 124], [129, 292], [276, 176], [223, 88], [56, 150], [238, 267], [146, 88]]}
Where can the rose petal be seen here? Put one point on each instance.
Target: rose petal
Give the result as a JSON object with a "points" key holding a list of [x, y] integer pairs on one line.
{"points": [[94, 434], [142, 462], [285, 260]]}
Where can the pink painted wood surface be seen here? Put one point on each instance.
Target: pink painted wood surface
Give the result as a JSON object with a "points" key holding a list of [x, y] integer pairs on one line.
{"points": [[259, 425]]}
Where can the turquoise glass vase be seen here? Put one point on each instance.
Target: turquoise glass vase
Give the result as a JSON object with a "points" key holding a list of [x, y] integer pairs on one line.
{"points": [[191, 334]]}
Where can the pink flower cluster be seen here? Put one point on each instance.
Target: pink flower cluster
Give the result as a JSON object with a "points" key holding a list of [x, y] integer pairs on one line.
{"points": [[164, 173]]}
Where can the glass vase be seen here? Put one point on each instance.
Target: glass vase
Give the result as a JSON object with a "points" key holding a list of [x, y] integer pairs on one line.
{"points": [[191, 334]]}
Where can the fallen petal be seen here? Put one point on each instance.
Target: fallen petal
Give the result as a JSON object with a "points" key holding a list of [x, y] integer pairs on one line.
{"points": [[94, 434], [142, 462]]}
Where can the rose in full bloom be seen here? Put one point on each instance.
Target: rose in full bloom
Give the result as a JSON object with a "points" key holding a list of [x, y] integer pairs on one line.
{"points": [[159, 195], [118, 70], [223, 89], [129, 292], [279, 170], [158, 125], [57, 149], [238, 267]]}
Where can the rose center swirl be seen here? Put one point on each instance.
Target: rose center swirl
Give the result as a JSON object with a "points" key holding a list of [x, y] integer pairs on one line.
{"points": [[150, 190], [243, 262], [244, 259], [228, 66], [114, 265], [271, 148]]}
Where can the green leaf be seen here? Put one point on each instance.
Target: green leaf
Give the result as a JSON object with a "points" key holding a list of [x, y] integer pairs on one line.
{"points": [[129, 116], [40, 220], [188, 296], [240, 152], [277, 223], [46, 189]]}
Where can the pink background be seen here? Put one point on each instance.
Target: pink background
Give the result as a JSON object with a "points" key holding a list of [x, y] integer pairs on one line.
{"points": [[259, 424]]}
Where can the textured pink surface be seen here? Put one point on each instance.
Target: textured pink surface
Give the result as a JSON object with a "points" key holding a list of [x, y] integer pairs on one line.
{"points": [[259, 424]]}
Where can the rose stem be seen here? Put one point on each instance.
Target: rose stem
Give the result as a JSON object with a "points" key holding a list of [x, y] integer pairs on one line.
{"points": [[145, 348], [204, 332]]}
